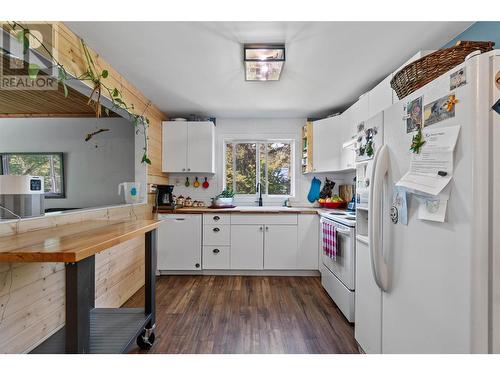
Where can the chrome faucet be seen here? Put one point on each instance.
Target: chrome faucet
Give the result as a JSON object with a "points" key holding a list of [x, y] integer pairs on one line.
{"points": [[259, 191]]}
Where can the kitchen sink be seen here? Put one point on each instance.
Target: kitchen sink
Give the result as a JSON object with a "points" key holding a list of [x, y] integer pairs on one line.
{"points": [[263, 208]]}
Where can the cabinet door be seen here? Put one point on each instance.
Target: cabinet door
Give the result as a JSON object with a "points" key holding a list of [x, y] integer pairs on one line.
{"points": [[359, 111], [179, 242], [308, 242], [247, 247], [280, 247], [380, 97], [348, 155], [200, 147], [327, 143], [174, 146]]}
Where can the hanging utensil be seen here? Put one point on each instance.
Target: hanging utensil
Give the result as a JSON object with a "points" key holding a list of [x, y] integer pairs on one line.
{"points": [[314, 190], [186, 184], [205, 184], [196, 182]]}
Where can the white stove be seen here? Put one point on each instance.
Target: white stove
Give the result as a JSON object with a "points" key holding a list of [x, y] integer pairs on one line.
{"points": [[341, 216], [338, 275]]}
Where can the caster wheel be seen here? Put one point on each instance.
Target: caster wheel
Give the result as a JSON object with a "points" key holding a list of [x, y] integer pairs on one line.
{"points": [[144, 343]]}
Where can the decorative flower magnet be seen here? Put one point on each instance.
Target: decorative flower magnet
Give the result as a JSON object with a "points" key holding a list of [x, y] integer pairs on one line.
{"points": [[452, 100]]}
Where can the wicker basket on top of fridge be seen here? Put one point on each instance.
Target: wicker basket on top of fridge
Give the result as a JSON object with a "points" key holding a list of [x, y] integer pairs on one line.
{"points": [[422, 71]]}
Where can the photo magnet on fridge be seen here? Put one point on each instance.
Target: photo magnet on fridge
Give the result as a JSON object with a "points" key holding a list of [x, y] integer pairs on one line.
{"points": [[399, 210], [439, 110], [414, 115], [458, 79]]}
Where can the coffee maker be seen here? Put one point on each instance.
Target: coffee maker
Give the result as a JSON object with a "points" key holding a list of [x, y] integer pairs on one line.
{"points": [[164, 196]]}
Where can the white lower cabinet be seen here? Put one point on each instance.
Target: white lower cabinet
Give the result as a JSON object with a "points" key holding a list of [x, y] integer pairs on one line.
{"points": [[274, 242], [247, 251], [238, 242], [216, 257], [280, 247], [179, 242], [216, 235], [308, 242]]}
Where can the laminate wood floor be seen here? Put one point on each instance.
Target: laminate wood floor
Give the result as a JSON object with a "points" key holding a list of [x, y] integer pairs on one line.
{"points": [[246, 314]]}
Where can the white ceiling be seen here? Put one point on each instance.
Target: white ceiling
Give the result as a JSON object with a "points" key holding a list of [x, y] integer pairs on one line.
{"points": [[197, 68]]}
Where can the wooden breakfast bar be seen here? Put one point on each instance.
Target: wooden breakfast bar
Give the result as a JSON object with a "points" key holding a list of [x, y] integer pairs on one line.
{"points": [[89, 329]]}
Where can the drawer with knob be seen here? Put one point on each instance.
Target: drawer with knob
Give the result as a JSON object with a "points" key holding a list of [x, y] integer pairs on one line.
{"points": [[216, 235], [220, 219], [216, 257]]}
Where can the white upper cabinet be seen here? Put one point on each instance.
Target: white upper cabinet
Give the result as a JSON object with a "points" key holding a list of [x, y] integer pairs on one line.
{"points": [[327, 138], [360, 111], [188, 147], [380, 97], [174, 146], [200, 147]]}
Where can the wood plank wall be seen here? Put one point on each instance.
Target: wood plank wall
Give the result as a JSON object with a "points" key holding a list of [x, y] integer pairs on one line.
{"points": [[70, 54], [32, 294]]}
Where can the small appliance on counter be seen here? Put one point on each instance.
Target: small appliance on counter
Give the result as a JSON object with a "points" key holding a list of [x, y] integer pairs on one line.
{"points": [[131, 191], [23, 196], [165, 197]]}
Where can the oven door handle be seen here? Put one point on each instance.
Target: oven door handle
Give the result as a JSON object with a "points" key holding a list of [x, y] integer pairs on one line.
{"points": [[342, 231]]}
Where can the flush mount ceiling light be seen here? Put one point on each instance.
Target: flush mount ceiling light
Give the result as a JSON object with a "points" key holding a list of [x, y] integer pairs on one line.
{"points": [[263, 62]]}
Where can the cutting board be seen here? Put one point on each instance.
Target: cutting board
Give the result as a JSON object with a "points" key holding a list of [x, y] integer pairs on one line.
{"points": [[346, 192]]}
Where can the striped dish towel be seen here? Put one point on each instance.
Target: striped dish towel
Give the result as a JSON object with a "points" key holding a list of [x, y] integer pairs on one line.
{"points": [[329, 240]]}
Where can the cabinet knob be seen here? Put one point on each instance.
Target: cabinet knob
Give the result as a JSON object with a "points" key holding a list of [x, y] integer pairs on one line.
{"points": [[267, 228], [261, 229], [183, 169], [189, 169], [197, 265], [216, 218], [216, 230], [216, 251]]}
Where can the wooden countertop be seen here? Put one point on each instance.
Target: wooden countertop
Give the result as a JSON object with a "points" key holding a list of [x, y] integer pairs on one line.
{"points": [[71, 242], [243, 210]]}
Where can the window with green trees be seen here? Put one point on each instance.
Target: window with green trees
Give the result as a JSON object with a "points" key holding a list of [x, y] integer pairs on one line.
{"points": [[268, 162], [46, 165]]}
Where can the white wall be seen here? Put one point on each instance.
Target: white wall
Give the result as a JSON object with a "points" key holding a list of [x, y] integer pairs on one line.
{"points": [[255, 128], [92, 174]]}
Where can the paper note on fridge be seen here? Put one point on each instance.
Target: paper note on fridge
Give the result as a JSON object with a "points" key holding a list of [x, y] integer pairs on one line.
{"points": [[432, 169], [440, 139]]}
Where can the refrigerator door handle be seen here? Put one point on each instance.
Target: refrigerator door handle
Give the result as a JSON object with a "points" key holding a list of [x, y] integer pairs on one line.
{"points": [[379, 171]]}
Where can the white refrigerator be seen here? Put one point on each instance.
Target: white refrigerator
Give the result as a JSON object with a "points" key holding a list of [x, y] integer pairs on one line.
{"points": [[429, 287]]}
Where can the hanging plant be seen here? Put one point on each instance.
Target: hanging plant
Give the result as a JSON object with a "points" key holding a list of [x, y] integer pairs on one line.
{"points": [[91, 75]]}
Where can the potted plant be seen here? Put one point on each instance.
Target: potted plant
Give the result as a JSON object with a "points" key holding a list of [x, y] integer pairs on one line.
{"points": [[225, 198]]}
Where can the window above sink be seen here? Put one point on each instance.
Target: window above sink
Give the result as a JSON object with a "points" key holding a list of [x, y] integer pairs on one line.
{"points": [[268, 162]]}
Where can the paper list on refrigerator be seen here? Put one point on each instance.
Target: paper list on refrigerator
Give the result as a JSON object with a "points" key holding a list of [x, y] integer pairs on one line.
{"points": [[435, 156]]}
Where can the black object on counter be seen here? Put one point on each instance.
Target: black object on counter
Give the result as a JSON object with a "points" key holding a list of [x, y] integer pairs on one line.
{"points": [[164, 196]]}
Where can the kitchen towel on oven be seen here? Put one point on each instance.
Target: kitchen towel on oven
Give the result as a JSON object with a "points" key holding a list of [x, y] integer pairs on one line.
{"points": [[329, 240]]}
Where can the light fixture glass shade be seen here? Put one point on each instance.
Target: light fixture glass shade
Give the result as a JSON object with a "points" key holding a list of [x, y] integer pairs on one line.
{"points": [[263, 62]]}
